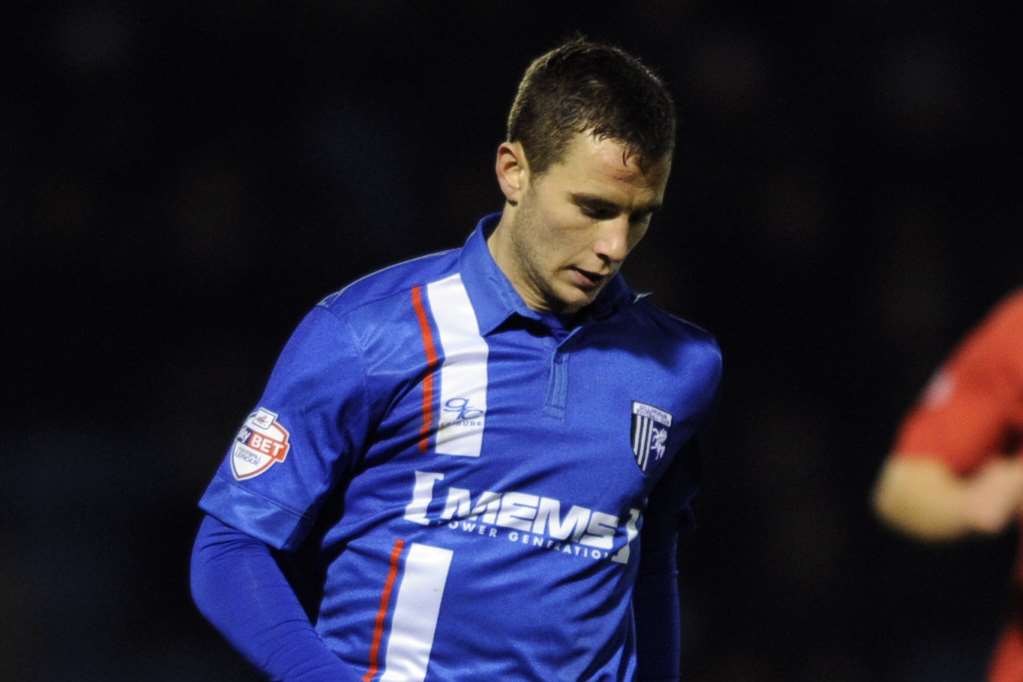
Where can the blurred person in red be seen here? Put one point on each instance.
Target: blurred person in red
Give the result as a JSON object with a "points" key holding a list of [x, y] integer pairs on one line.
{"points": [[956, 468]]}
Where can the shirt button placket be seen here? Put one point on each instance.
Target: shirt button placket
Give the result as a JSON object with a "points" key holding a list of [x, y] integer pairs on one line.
{"points": [[557, 384]]}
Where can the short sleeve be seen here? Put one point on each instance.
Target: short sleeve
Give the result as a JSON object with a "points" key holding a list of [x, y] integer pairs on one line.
{"points": [[300, 440], [966, 412]]}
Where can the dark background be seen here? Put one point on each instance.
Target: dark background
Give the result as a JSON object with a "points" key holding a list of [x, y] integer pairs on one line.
{"points": [[179, 183]]}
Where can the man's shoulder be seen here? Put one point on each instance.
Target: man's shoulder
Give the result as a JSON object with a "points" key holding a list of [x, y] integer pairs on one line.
{"points": [[392, 282], [678, 363], [673, 329], [669, 337]]}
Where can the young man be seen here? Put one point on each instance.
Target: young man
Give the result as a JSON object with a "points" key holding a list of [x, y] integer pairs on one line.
{"points": [[489, 450], [955, 469]]}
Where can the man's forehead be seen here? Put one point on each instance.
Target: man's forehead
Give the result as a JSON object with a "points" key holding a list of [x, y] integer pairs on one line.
{"points": [[614, 160]]}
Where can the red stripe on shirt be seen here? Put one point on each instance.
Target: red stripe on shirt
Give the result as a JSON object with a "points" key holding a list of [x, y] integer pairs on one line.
{"points": [[431, 361], [385, 600]]}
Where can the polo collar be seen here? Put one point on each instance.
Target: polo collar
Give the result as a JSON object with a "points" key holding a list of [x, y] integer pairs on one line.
{"points": [[495, 299]]}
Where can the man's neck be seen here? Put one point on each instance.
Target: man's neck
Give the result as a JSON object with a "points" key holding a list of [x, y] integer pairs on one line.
{"points": [[503, 252]]}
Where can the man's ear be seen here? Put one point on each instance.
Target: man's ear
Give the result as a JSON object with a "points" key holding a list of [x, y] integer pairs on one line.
{"points": [[512, 171]]}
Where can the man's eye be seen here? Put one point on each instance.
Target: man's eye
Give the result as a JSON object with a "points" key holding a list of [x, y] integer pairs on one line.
{"points": [[597, 213]]}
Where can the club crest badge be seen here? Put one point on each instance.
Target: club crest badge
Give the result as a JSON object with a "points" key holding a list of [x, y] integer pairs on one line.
{"points": [[649, 433], [261, 443]]}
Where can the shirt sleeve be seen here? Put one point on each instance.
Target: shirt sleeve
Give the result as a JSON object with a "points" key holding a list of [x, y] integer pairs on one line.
{"points": [[968, 409], [238, 586], [655, 600], [303, 437]]}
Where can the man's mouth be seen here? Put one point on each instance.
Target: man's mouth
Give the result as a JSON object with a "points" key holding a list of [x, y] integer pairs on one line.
{"points": [[587, 279]]}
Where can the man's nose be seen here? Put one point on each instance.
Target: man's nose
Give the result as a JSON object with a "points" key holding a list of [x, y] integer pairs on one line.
{"points": [[612, 243]]}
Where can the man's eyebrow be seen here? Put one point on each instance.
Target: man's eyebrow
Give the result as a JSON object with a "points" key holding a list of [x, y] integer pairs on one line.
{"points": [[601, 203], [594, 201]]}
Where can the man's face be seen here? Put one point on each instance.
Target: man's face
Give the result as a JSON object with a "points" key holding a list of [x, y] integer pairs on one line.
{"points": [[576, 223]]}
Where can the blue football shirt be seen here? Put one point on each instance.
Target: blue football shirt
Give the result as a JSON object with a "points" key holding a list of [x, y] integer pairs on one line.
{"points": [[473, 478]]}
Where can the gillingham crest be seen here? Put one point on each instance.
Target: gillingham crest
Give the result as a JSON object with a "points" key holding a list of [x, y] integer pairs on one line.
{"points": [[649, 433], [261, 443]]}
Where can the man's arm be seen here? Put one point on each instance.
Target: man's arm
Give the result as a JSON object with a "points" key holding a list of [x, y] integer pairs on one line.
{"points": [[655, 608], [946, 477], [240, 589], [925, 498], [316, 407], [655, 599]]}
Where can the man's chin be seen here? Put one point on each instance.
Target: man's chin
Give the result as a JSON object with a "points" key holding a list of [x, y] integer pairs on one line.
{"points": [[574, 299]]}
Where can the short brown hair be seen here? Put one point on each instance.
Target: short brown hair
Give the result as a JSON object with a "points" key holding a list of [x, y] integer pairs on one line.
{"points": [[583, 86]]}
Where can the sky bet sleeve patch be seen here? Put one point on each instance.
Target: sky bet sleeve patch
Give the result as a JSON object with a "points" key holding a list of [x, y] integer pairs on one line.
{"points": [[261, 443]]}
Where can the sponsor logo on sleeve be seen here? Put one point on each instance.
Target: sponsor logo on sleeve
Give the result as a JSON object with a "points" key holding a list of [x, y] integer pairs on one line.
{"points": [[261, 443], [649, 433]]}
